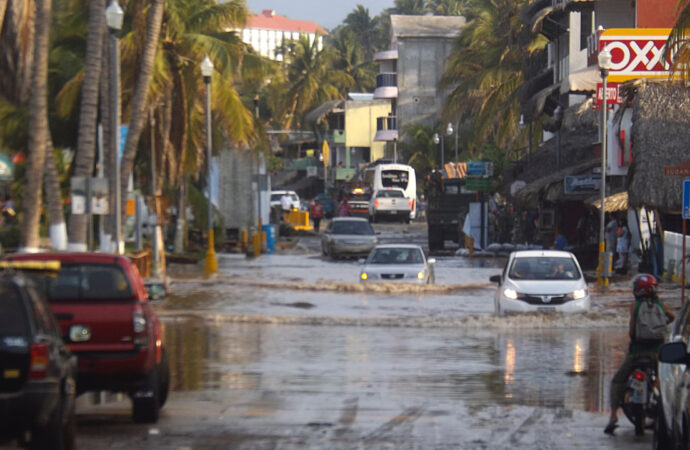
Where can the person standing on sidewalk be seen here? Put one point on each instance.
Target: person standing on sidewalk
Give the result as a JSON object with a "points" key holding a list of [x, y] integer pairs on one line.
{"points": [[316, 212]]}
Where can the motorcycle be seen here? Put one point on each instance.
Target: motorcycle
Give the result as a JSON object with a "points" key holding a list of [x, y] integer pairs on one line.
{"points": [[641, 397]]}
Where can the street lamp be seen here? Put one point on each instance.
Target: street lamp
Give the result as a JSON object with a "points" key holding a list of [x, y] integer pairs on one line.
{"points": [[113, 17], [211, 266], [438, 139], [604, 66], [449, 132]]}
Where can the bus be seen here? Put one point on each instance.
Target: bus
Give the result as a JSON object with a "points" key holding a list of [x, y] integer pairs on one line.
{"points": [[383, 176]]}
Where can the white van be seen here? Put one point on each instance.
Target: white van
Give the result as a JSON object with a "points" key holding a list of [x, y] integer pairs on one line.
{"points": [[383, 176]]}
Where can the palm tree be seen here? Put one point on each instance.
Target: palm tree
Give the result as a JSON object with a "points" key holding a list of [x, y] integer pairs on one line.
{"points": [[409, 7], [447, 7], [311, 80], [86, 147], [349, 58], [484, 72], [678, 45], [364, 29], [38, 124], [192, 29]]}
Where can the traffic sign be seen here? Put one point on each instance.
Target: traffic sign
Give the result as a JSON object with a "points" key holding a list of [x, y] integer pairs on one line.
{"points": [[686, 198], [612, 94]]}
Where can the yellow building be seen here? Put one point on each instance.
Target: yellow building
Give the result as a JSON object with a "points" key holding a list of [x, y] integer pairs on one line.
{"points": [[360, 128]]}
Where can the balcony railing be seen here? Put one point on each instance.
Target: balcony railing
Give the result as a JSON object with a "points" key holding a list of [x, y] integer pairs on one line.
{"points": [[386, 123], [387, 80]]}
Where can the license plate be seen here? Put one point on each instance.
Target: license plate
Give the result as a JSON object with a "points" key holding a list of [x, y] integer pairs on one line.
{"points": [[394, 212], [546, 308], [11, 373], [639, 391]]}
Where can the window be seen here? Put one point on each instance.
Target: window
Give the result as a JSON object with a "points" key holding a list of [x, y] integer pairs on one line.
{"points": [[13, 320], [390, 194], [394, 178], [544, 268], [92, 282]]}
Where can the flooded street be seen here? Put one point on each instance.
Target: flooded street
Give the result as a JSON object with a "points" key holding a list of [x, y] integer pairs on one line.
{"points": [[289, 351]]}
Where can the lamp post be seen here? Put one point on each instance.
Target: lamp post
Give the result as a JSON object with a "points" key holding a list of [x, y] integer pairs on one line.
{"points": [[449, 132], [113, 17], [211, 265], [604, 66], [438, 139]]}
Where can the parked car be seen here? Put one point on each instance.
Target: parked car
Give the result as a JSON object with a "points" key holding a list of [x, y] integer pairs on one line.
{"points": [[397, 263], [348, 236], [106, 319], [37, 371], [672, 426], [541, 280], [277, 195], [390, 203]]}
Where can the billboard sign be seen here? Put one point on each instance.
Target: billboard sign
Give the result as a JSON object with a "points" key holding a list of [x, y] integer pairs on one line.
{"points": [[588, 184], [636, 52], [480, 168], [612, 97]]}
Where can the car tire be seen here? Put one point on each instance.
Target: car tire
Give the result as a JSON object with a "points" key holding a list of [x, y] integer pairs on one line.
{"points": [[661, 439], [59, 433], [163, 379], [145, 403]]}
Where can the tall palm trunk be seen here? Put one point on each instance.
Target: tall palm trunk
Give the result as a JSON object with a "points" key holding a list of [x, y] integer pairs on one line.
{"points": [[38, 124], [106, 238], [58, 230], [86, 149], [137, 118]]}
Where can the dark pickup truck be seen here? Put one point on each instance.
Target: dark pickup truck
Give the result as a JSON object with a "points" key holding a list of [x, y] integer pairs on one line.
{"points": [[446, 210], [107, 321], [37, 371]]}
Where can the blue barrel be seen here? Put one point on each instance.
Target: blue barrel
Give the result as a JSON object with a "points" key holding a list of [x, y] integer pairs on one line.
{"points": [[270, 231]]}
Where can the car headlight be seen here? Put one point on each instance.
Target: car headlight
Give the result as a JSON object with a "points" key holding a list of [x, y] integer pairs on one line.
{"points": [[363, 276], [510, 293], [579, 293], [420, 275]]}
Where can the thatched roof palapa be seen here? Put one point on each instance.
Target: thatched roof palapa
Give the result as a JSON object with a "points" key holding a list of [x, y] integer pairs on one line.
{"points": [[661, 138]]}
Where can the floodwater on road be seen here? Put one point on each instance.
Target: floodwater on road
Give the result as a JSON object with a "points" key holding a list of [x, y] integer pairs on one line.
{"points": [[290, 351]]}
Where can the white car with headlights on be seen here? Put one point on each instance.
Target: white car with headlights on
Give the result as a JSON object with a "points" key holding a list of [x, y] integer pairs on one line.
{"points": [[541, 280], [402, 263]]}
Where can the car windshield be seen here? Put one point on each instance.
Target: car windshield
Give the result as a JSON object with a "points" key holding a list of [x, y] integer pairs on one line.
{"points": [[352, 227], [396, 256], [544, 268], [88, 282], [390, 194], [276, 197]]}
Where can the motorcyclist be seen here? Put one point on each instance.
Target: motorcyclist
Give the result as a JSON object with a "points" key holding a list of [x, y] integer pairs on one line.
{"points": [[645, 292]]}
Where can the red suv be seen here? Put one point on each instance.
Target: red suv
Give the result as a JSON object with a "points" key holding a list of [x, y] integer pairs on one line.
{"points": [[107, 321]]}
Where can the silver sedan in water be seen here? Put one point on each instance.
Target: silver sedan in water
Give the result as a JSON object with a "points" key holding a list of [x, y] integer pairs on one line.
{"points": [[404, 263], [348, 236]]}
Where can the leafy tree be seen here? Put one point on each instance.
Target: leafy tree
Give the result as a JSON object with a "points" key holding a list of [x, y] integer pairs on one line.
{"points": [[484, 73], [365, 29], [349, 58], [311, 80], [678, 44]]}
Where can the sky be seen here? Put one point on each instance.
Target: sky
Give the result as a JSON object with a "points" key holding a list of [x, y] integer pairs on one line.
{"points": [[326, 13]]}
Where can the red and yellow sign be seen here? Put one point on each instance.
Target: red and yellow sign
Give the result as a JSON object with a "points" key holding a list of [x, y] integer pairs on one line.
{"points": [[636, 52]]}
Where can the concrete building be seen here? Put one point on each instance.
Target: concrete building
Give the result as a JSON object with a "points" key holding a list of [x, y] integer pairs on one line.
{"points": [[268, 31], [349, 127], [409, 73]]}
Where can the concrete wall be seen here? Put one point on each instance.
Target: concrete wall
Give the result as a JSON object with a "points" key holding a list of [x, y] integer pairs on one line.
{"points": [[421, 62], [237, 190], [360, 124]]}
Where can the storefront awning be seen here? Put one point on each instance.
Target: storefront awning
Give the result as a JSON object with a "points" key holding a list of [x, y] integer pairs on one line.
{"points": [[612, 203], [584, 79]]}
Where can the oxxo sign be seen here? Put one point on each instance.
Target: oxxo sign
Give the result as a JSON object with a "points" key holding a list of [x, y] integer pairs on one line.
{"points": [[636, 52]]}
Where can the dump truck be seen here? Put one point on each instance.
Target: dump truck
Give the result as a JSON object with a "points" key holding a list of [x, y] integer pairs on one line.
{"points": [[447, 206]]}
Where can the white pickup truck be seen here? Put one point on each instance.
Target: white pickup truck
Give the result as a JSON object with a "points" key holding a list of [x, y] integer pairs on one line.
{"points": [[390, 203]]}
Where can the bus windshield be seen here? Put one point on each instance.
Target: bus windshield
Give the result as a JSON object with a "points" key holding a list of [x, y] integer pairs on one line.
{"points": [[394, 178]]}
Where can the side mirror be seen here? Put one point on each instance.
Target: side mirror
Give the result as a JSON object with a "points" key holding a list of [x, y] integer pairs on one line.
{"points": [[156, 291], [431, 260], [495, 279], [673, 353]]}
